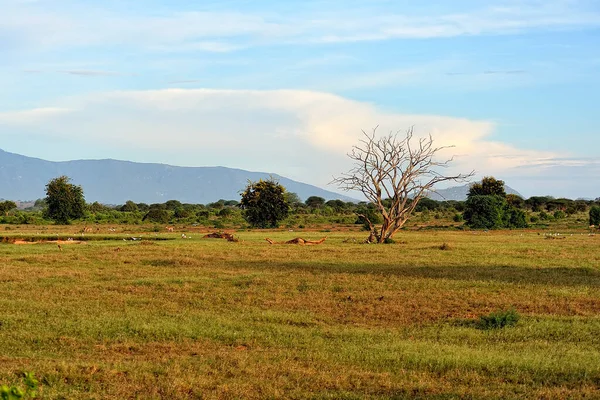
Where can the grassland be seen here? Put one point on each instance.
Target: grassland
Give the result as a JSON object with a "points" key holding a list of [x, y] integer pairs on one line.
{"points": [[200, 318]]}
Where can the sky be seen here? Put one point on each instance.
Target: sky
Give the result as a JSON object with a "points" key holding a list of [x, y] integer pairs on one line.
{"points": [[288, 87]]}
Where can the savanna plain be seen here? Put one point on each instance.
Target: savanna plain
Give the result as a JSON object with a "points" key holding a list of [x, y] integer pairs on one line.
{"points": [[207, 318]]}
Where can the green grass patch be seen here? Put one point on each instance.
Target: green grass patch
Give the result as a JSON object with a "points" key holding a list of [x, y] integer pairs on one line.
{"points": [[499, 319], [200, 318]]}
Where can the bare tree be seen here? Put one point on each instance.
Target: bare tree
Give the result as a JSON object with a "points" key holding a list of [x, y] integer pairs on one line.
{"points": [[394, 173]]}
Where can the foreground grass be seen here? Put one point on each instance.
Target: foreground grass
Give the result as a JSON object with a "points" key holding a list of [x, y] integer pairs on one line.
{"points": [[199, 318]]}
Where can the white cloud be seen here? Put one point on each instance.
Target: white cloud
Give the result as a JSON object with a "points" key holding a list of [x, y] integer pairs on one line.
{"points": [[90, 73], [31, 117], [225, 30], [302, 134]]}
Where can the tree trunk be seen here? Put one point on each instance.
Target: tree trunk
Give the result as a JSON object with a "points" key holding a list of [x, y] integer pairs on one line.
{"points": [[387, 231]]}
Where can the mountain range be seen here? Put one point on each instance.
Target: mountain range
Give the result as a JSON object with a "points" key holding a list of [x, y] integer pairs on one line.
{"points": [[460, 193], [115, 182]]}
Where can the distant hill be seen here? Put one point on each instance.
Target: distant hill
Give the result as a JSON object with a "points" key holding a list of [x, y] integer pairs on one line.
{"points": [[115, 182], [459, 193]]}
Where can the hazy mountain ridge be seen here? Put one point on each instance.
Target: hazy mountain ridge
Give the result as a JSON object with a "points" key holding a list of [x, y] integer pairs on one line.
{"points": [[114, 182], [459, 193]]}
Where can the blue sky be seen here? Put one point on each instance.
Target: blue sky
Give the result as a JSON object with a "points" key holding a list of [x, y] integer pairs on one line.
{"points": [[287, 87]]}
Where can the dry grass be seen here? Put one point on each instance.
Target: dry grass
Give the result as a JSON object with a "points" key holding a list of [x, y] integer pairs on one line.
{"points": [[198, 318]]}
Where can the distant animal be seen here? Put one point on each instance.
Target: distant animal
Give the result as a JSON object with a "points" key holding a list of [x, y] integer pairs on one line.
{"points": [[59, 247], [221, 235], [299, 241], [169, 228]]}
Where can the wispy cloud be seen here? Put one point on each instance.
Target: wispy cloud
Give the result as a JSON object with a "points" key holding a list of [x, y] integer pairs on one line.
{"points": [[510, 72], [83, 72], [184, 81], [489, 72], [78, 72], [558, 162], [224, 30], [32, 116]]}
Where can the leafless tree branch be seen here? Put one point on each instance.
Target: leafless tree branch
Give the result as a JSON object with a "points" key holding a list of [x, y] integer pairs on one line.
{"points": [[394, 172]]}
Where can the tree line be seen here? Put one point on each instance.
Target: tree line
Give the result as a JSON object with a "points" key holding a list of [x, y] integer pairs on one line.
{"points": [[394, 173], [265, 204]]}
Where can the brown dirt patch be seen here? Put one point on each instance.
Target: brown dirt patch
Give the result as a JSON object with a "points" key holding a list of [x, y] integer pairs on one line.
{"points": [[24, 242]]}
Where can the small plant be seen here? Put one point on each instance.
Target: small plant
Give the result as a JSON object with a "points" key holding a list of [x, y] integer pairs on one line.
{"points": [[16, 393], [458, 218], [545, 216], [499, 319], [337, 289], [389, 241], [559, 214], [303, 286], [218, 225], [445, 246]]}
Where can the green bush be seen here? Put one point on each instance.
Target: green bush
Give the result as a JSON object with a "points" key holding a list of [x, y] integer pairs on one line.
{"points": [[559, 214], [369, 212], [16, 393], [218, 224], [544, 216], [225, 212], [425, 216], [65, 201], [203, 214], [499, 319], [595, 215], [458, 218], [485, 212], [181, 213], [514, 218], [264, 204], [157, 215]]}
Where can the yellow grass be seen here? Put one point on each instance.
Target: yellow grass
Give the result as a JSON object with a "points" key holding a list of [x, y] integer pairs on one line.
{"points": [[206, 318]]}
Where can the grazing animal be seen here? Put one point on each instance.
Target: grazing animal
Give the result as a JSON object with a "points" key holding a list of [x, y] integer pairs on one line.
{"points": [[298, 240], [221, 235], [169, 228]]}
